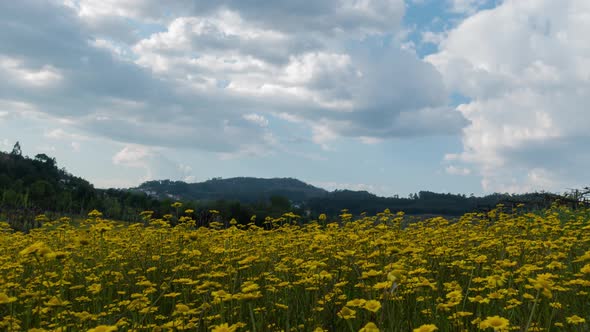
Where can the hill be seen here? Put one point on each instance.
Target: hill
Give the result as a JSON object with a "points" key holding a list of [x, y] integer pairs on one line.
{"points": [[243, 189], [32, 186]]}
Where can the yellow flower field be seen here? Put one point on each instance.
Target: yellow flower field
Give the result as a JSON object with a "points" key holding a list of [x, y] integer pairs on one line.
{"points": [[498, 271]]}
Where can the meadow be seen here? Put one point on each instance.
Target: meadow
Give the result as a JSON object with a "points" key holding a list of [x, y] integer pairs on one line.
{"points": [[505, 270]]}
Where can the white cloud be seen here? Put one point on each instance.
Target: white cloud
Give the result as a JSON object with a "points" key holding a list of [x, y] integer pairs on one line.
{"points": [[257, 119], [46, 148], [370, 140], [133, 156], [118, 50], [329, 16], [76, 146], [206, 75], [62, 134], [466, 6], [231, 51], [525, 66], [112, 182], [190, 179], [289, 117], [12, 108], [323, 135], [45, 75], [454, 170], [430, 37], [5, 144], [152, 162]]}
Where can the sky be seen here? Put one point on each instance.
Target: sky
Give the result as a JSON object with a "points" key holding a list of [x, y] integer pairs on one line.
{"points": [[388, 96]]}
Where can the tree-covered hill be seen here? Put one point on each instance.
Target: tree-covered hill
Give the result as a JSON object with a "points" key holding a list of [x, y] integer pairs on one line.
{"points": [[243, 189], [32, 186]]}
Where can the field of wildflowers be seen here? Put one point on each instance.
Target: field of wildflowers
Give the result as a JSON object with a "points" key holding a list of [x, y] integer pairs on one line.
{"points": [[498, 271]]}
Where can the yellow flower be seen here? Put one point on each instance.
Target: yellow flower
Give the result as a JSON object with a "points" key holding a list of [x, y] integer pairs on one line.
{"points": [[496, 281], [575, 319], [383, 285], [55, 302], [426, 328], [37, 247], [455, 296], [480, 259], [544, 283], [370, 327], [496, 322], [356, 303], [248, 287], [5, 299], [95, 288], [347, 313], [104, 328], [225, 328], [372, 305], [182, 308], [95, 214]]}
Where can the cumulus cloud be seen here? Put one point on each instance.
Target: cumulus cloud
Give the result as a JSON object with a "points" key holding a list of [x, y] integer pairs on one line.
{"points": [[351, 91], [152, 162], [466, 6], [102, 94], [257, 119], [5, 144], [429, 37], [329, 17], [525, 66], [29, 77], [76, 146], [454, 170], [62, 134], [206, 75]]}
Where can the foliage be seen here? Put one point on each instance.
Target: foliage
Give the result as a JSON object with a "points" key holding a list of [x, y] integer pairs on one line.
{"points": [[487, 271], [33, 186], [29, 187], [243, 189]]}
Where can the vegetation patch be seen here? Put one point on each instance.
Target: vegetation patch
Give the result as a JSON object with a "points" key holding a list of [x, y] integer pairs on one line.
{"points": [[495, 271]]}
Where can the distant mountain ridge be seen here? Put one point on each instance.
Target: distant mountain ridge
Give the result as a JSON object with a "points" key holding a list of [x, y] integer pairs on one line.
{"points": [[243, 189], [32, 186], [250, 190]]}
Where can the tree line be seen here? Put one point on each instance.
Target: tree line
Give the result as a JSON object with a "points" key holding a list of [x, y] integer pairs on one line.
{"points": [[34, 186]]}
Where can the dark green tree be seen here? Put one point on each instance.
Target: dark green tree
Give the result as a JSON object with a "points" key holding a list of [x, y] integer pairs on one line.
{"points": [[16, 150]]}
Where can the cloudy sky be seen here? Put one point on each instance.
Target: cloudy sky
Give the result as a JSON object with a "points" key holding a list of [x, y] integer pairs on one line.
{"points": [[389, 96]]}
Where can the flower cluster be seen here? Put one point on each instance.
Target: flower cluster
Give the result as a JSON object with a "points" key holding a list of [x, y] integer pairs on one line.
{"points": [[494, 271]]}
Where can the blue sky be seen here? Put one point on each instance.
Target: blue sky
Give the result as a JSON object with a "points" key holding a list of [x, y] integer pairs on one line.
{"points": [[389, 96]]}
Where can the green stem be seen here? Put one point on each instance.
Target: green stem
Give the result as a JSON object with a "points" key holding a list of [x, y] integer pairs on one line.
{"points": [[349, 325], [467, 290], [528, 324], [252, 317]]}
